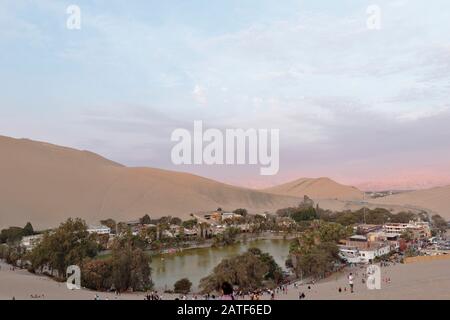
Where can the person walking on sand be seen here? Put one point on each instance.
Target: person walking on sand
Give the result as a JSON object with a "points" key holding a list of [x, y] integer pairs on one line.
{"points": [[350, 282]]}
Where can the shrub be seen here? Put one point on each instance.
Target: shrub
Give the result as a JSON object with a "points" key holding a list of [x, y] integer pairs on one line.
{"points": [[182, 286]]}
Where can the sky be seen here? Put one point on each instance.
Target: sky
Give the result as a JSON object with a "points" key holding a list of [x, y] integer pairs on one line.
{"points": [[366, 107]]}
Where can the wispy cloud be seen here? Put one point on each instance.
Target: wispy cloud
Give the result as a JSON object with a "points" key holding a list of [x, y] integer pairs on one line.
{"points": [[345, 98]]}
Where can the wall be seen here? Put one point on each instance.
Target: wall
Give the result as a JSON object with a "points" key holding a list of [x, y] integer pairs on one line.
{"points": [[426, 258]]}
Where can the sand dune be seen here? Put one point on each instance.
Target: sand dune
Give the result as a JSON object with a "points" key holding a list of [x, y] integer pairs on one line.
{"points": [[436, 200], [46, 184], [321, 188]]}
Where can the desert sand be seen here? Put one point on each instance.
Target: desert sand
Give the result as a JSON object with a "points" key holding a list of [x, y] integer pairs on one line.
{"points": [[425, 280], [45, 184], [416, 281], [320, 188], [436, 200], [23, 285]]}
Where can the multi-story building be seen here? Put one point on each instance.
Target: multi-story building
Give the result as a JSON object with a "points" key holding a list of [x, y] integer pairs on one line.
{"points": [[363, 249], [419, 229]]}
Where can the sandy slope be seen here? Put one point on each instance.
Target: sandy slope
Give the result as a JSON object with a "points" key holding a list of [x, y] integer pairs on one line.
{"points": [[23, 285], [435, 199], [334, 196], [425, 280], [45, 184], [321, 188], [418, 281]]}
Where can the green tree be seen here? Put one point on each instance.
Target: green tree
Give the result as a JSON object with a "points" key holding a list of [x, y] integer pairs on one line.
{"points": [[241, 212], [3, 251], [122, 227], [97, 274], [439, 223], [274, 271], [176, 221], [227, 237], [402, 217], [304, 214], [130, 264], [189, 224], [315, 251], [110, 223], [68, 245], [28, 230], [145, 219], [407, 235], [11, 235], [248, 271], [182, 286]]}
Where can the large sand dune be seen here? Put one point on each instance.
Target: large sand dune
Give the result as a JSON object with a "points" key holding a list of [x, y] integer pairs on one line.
{"points": [[321, 188], [337, 197], [46, 184], [435, 200]]}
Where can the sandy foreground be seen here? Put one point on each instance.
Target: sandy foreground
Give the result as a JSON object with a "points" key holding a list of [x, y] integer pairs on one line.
{"points": [[422, 281], [22, 285], [427, 280]]}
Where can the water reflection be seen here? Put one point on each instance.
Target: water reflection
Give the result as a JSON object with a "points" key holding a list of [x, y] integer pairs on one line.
{"points": [[198, 263]]}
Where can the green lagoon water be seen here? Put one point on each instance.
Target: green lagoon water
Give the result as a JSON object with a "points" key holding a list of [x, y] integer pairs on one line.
{"points": [[195, 264]]}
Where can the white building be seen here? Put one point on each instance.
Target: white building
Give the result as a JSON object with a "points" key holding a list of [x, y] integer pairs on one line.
{"points": [[29, 242], [420, 229], [99, 229], [369, 254], [349, 254], [364, 255], [229, 215]]}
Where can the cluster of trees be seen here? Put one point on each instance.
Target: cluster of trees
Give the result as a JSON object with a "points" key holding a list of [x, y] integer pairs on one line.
{"points": [[305, 211], [12, 254], [439, 223], [67, 245], [122, 227], [315, 252], [14, 234], [241, 212], [299, 214], [369, 216], [189, 224], [127, 268], [227, 237], [110, 223], [163, 220], [248, 271], [10, 249], [3, 251]]}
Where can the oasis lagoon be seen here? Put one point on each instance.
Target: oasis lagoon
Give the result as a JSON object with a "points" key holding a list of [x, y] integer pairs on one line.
{"points": [[196, 264]]}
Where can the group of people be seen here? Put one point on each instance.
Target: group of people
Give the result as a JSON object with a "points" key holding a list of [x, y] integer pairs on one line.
{"points": [[153, 296]]}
